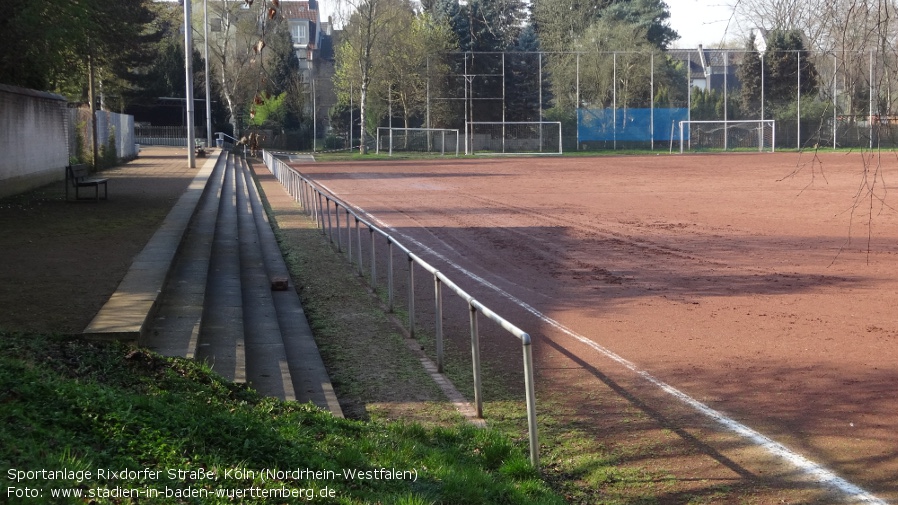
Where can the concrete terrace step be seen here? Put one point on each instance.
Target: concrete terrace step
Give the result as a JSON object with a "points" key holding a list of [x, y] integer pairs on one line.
{"points": [[218, 304], [221, 340], [266, 364], [129, 311], [176, 327], [310, 378]]}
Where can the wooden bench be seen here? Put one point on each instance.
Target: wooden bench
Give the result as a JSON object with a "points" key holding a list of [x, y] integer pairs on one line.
{"points": [[79, 176]]}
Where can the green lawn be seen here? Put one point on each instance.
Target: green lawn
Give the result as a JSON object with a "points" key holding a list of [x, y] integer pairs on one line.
{"points": [[75, 415]]}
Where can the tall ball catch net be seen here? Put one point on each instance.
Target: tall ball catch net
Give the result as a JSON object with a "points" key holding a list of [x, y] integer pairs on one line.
{"points": [[753, 135], [527, 137]]}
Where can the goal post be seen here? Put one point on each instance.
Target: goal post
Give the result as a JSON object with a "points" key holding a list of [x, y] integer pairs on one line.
{"points": [[728, 135], [425, 140], [514, 137]]}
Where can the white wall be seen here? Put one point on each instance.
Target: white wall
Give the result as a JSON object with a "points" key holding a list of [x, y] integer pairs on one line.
{"points": [[37, 136], [33, 139], [120, 125]]}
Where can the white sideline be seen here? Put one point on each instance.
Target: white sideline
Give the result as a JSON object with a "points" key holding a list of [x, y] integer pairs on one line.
{"points": [[810, 469]]}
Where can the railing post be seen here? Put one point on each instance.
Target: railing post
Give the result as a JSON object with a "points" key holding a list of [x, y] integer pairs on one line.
{"points": [[411, 297], [348, 238], [339, 229], [438, 322], [475, 361], [531, 400], [321, 212], [390, 295], [317, 207], [373, 262], [358, 239], [330, 226]]}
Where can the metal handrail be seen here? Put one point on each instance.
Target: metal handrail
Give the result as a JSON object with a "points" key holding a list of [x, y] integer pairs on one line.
{"points": [[316, 202], [221, 136]]}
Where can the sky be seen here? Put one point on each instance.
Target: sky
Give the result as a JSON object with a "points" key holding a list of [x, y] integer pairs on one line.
{"points": [[701, 22], [697, 21]]}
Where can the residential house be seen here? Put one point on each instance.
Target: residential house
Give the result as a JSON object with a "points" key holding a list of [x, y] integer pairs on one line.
{"points": [[312, 41], [711, 68], [305, 30]]}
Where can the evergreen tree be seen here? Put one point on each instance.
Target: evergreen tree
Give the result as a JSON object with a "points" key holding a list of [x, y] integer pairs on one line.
{"points": [[784, 58], [450, 12], [522, 96], [750, 75], [494, 25], [650, 16]]}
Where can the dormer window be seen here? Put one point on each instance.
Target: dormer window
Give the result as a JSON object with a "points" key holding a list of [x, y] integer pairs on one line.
{"points": [[300, 33]]}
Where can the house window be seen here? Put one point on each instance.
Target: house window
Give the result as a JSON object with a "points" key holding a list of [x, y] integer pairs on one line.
{"points": [[300, 34]]}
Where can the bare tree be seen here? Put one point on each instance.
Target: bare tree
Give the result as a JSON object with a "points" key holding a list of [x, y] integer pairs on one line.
{"points": [[236, 45], [368, 27]]}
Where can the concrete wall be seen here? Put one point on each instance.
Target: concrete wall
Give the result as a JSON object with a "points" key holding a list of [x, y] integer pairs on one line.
{"points": [[39, 134], [33, 139], [122, 127]]}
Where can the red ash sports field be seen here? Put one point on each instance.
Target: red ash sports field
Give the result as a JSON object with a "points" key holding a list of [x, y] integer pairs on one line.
{"points": [[761, 285]]}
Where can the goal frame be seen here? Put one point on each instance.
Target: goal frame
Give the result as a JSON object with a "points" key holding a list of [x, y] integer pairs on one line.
{"points": [[725, 123], [469, 136], [443, 131]]}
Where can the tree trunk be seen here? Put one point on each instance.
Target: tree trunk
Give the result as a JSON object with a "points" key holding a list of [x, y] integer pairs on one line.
{"points": [[363, 147], [230, 100], [92, 99]]}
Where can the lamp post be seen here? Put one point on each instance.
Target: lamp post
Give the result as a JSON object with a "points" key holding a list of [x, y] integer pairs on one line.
{"points": [[208, 84], [188, 52]]}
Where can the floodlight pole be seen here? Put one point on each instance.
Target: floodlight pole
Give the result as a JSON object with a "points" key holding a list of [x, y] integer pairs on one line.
{"points": [[465, 75], [208, 84], [188, 53]]}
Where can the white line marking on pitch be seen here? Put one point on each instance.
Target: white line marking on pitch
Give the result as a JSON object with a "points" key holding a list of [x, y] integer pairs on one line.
{"points": [[822, 475]]}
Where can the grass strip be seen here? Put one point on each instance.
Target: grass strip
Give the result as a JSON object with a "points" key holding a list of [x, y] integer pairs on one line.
{"points": [[188, 436]]}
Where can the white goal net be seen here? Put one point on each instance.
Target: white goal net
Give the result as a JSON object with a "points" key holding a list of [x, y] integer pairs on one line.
{"points": [[750, 135], [424, 140], [523, 137]]}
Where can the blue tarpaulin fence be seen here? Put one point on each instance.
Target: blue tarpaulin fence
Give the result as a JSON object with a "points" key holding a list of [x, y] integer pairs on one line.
{"points": [[629, 124]]}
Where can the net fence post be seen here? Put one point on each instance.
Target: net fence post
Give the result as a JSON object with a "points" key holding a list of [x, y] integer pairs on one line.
{"points": [[652, 98], [798, 100], [835, 101]]}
